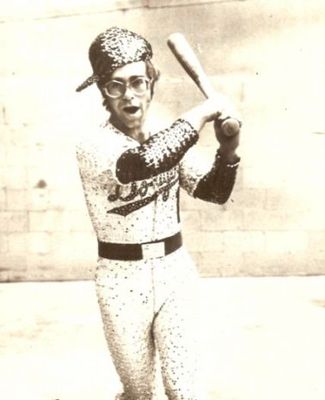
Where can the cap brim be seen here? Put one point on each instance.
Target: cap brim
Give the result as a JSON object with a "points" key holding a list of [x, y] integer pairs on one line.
{"points": [[89, 81]]}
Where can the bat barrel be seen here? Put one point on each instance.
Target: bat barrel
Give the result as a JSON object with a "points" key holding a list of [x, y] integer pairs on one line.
{"points": [[191, 64]]}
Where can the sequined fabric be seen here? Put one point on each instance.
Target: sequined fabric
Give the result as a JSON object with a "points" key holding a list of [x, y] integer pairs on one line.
{"points": [[115, 48], [159, 153], [149, 307], [193, 167], [123, 47], [217, 185], [118, 210]]}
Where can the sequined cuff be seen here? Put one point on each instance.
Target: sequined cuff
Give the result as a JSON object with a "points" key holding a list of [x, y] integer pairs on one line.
{"points": [[158, 154], [217, 185]]}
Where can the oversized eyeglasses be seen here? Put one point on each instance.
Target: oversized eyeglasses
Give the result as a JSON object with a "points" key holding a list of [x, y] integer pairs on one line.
{"points": [[115, 89]]}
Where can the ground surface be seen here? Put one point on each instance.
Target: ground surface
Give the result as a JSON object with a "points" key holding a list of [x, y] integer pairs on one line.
{"points": [[263, 339]]}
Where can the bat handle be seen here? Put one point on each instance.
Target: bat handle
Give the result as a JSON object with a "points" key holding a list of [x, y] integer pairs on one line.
{"points": [[229, 126]]}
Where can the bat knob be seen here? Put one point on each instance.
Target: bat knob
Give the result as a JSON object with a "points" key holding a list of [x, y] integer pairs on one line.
{"points": [[230, 127]]}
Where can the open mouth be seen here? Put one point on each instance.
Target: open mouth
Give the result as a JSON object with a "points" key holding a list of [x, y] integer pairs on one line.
{"points": [[131, 109]]}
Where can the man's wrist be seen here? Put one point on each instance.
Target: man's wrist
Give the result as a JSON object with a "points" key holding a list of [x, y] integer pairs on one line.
{"points": [[228, 156]]}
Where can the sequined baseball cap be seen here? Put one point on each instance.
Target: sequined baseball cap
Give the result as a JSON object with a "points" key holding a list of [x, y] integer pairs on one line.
{"points": [[113, 49]]}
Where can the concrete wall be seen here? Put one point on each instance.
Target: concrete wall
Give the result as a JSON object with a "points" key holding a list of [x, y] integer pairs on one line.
{"points": [[268, 57]]}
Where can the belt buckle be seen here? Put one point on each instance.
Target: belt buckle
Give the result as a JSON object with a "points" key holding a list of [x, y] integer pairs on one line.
{"points": [[153, 250]]}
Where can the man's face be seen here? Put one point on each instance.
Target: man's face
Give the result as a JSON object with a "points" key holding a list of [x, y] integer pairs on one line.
{"points": [[128, 111]]}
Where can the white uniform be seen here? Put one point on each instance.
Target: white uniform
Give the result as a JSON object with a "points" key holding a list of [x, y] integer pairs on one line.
{"points": [[146, 304], [146, 290]]}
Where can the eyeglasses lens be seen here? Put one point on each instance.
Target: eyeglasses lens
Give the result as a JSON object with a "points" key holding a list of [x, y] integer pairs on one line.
{"points": [[116, 89], [139, 85]]}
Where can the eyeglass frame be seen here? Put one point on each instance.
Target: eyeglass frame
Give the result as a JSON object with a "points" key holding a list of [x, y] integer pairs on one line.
{"points": [[126, 85]]}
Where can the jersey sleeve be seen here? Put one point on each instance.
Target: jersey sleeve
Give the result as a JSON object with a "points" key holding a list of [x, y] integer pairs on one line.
{"points": [[212, 183], [193, 167], [161, 152]]}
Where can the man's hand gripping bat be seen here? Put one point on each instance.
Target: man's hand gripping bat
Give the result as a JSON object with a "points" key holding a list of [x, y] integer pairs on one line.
{"points": [[189, 61]]}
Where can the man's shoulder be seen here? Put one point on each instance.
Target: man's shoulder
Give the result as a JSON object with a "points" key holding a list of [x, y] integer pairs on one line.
{"points": [[99, 137]]}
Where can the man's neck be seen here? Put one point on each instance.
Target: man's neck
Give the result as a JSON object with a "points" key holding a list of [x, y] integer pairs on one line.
{"points": [[135, 133]]}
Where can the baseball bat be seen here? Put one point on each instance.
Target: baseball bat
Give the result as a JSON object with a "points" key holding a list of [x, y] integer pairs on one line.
{"points": [[191, 64]]}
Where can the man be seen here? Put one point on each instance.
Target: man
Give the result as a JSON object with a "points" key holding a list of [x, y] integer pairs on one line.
{"points": [[145, 279]]}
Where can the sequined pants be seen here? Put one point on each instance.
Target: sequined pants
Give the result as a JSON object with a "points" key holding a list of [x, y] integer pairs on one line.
{"points": [[149, 307]]}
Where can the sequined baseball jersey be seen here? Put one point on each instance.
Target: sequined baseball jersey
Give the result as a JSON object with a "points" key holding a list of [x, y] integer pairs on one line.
{"points": [[139, 211]]}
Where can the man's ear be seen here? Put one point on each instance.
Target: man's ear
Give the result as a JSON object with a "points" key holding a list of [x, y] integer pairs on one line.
{"points": [[105, 98], [152, 88], [106, 104]]}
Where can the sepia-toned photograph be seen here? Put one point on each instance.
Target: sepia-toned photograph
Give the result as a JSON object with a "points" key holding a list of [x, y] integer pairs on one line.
{"points": [[162, 224]]}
